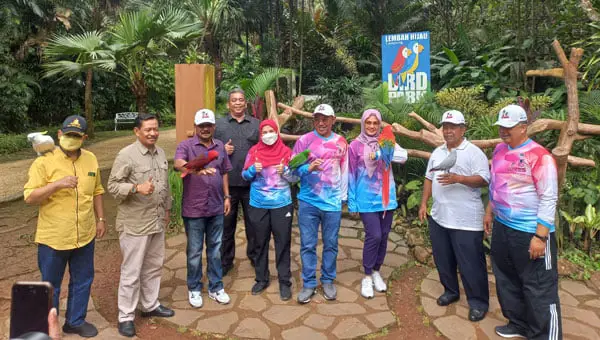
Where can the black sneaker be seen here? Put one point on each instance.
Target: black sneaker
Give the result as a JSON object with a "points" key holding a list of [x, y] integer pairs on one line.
{"points": [[285, 292], [509, 331], [259, 286], [85, 330]]}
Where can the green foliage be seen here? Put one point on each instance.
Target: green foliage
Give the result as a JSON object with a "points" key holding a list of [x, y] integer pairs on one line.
{"points": [[343, 94], [10, 143], [160, 78], [176, 184], [466, 100], [264, 81], [17, 90], [588, 263], [537, 102], [590, 63], [167, 120]]}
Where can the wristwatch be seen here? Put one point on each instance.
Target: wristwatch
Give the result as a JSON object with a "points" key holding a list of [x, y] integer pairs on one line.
{"points": [[226, 197], [543, 238], [101, 219], [134, 189]]}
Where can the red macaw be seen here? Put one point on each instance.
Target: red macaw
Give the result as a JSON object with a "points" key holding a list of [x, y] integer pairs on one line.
{"points": [[387, 143], [199, 162]]}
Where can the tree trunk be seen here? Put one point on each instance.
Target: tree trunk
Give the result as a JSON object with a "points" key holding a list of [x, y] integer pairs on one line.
{"points": [[140, 91], [586, 241], [88, 102]]}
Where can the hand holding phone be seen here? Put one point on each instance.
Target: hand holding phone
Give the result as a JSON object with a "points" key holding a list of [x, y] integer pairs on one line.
{"points": [[30, 306]]}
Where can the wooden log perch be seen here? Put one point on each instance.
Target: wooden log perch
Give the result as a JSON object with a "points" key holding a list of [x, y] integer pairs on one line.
{"points": [[553, 72], [432, 136]]}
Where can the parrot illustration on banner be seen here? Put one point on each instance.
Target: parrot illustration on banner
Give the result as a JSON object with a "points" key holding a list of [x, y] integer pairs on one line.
{"points": [[399, 61], [387, 143], [417, 49]]}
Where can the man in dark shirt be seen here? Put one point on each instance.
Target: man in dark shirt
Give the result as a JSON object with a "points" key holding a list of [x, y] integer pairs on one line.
{"points": [[239, 131]]}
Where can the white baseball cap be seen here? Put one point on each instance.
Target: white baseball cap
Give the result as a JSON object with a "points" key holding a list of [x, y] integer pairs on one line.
{"points": [[204, 116], [510, 116], [324, 109], [453, 117]]}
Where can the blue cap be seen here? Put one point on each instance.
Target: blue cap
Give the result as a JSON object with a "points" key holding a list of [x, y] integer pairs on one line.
{"points": [[74, 124]]}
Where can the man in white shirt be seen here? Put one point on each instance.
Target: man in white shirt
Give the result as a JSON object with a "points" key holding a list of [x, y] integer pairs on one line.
{"points": [[455, 172]]}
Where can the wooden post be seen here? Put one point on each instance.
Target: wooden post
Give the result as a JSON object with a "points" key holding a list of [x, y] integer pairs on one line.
{"points": [[194, 90]]}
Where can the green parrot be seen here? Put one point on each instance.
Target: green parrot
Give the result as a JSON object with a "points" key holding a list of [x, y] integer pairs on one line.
{"points": [[299, 159]]}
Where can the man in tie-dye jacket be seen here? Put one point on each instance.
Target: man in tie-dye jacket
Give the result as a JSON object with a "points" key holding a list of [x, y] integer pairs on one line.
{"points": [[523, 196], [323, 188]]}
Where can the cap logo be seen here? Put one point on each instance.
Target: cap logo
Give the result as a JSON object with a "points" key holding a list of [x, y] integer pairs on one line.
{"points": [[449, 115], [204, 114], [320, 108], [75, 124], [504, 115]]}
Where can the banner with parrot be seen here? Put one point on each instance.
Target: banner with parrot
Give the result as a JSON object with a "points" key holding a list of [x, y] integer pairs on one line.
{"points": [[406, 65]]}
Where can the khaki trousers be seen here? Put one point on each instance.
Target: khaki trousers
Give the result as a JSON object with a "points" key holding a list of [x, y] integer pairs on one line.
{"points": [[140, 273]]}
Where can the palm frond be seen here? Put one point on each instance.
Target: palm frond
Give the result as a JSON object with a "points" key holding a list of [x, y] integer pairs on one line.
{"points": [[264, 81]]}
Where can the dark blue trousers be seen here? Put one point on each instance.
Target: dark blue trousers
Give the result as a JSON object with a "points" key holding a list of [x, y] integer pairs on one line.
{"points": [[461, 249], [527, 289], [53, 263]]}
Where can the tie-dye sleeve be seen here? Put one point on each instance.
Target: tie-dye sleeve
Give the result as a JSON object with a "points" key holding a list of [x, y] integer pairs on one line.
{"points": [[344, 168], [545, 179], [352, 174]]}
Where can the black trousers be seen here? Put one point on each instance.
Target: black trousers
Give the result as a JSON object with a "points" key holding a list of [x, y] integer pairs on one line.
{"points": [[461, 249], [279, 222], [527, 289], [239, 195]]}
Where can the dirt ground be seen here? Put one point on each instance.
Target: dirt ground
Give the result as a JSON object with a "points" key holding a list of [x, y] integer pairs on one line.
{"points": [[18, 261]]}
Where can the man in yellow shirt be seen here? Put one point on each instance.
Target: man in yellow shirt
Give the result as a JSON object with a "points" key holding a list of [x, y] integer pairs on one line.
{"points": [[66, 184]]}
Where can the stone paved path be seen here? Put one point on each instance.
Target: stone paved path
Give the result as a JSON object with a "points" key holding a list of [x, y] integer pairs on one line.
{"points": [[580, 307], [267, 317]]}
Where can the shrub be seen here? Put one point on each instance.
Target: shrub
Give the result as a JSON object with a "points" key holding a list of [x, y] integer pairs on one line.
{"points": [[466, 100], [10, 143]]}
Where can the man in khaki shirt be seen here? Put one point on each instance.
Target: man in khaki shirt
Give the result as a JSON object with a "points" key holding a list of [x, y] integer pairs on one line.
{"points": [[139, 182]]}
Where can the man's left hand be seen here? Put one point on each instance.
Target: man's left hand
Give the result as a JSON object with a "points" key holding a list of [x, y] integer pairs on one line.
{"points": [[100, 228], [537, 248], [227, 207], [449, 178], [167, 217]]}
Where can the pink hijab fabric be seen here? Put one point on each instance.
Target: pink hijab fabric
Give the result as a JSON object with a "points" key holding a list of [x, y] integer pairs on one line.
{"points": [[370, 142]]}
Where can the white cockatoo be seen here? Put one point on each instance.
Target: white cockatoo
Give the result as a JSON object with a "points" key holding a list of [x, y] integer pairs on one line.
{"points": [[447, 163], [41, 142]]}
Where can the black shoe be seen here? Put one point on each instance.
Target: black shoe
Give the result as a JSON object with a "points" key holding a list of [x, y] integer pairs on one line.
{"points": [[476, 314], [509, 331], [446, 299], [127, 328], [160, 311], [259, 286], [85, 330], [285, 292]]}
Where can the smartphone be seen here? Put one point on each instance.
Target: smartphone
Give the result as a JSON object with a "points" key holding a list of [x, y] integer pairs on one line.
{"points": [[30, 304]]}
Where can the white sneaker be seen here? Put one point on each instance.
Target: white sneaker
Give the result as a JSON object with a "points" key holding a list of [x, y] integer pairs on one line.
{"points": [[195, 299], [366, 288], [220, 296], [378, 282]]}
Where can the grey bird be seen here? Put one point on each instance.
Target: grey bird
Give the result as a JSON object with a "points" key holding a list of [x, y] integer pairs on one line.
{"points": [[447, 163]]}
